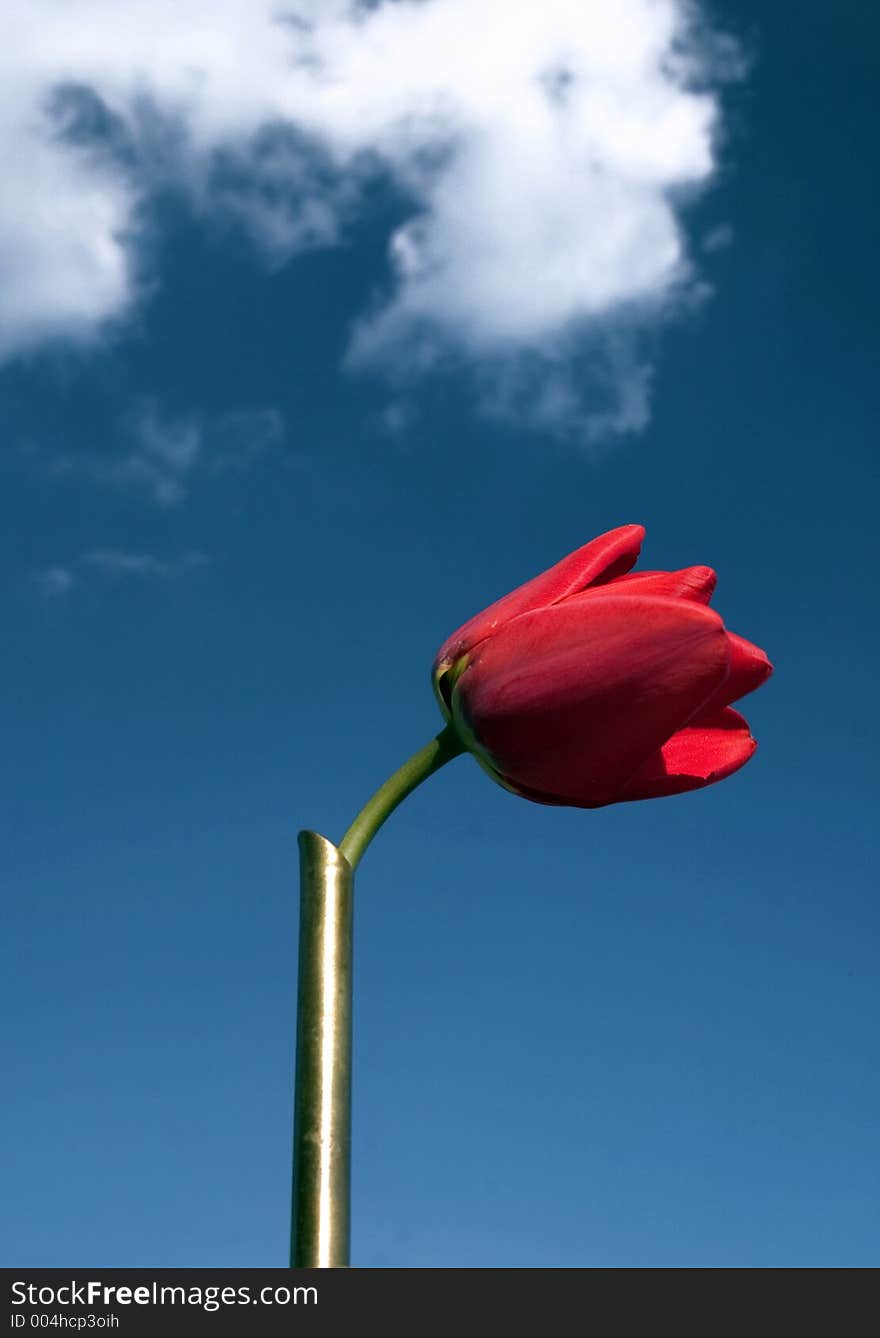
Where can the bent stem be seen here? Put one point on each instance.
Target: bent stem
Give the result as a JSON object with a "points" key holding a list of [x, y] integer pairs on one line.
{"points": [[418, 768]]}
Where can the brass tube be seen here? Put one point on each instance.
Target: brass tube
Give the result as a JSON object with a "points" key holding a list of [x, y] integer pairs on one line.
{"points": [[322, 1095]]}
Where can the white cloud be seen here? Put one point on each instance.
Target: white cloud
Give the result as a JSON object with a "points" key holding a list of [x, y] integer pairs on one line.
{"points": [[545, 149]]}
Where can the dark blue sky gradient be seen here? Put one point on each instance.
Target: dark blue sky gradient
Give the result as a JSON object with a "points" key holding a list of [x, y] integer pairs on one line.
{"points": [[639, 1036]]}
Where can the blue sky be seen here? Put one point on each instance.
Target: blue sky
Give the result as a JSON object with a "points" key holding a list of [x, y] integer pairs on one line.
{"points": [[283, 402]]}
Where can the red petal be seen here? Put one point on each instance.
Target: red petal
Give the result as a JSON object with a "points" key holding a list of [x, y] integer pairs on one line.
{"points": [[749, 668], [711, 747], [690, 583], [607, 556], [569, 701]]}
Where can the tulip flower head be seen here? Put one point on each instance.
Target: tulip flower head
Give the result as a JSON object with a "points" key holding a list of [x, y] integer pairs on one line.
{"points": [[593, 684]]}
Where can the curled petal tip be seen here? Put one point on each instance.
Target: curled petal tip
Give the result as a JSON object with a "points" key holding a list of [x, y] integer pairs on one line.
{"points": [[694, 583], [703, 581], [600, 560]]}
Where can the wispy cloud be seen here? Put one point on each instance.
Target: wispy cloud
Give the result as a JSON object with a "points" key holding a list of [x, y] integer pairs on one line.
{"points": [[164, 453], [237, 440], [546, 150], [116, 565], [718, 238], [600, 392], [54, 582], [159, 455]]}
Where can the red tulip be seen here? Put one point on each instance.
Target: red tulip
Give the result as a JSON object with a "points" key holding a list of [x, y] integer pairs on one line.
{"points": [[588, 685]]}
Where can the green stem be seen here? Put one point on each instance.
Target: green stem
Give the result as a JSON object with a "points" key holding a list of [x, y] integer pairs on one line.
{"points": [[420, 766]]}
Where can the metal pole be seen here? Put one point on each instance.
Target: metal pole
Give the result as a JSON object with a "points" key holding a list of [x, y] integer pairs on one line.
{"points": [[322, 1096]]}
